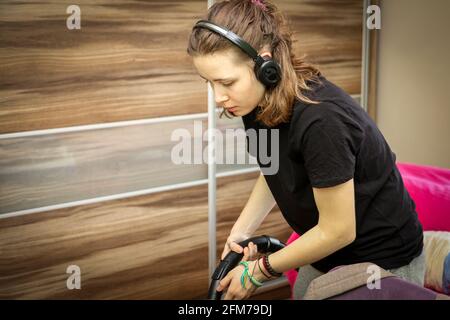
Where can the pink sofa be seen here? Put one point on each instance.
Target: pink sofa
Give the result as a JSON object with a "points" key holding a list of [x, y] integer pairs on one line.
{"points": [[429, 187]]}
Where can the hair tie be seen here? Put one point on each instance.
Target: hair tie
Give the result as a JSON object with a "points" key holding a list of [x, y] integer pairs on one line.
{"points": [[260, 4]]}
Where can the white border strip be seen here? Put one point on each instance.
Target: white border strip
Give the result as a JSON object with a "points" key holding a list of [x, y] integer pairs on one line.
{"points": [[212, 215], [106, 125], [365, 58], [118, 196], [105, 198], [237, 172]]}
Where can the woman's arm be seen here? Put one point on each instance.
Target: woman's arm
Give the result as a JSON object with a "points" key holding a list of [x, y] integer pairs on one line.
{"points": [[259, 204], [336, 229]]}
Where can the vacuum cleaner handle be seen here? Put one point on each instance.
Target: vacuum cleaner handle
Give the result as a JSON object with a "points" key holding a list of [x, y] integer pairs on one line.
{"points": [[264, 244]]}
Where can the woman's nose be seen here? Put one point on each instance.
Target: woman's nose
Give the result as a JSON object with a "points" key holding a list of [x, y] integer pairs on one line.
{"points": [[220, 98]]}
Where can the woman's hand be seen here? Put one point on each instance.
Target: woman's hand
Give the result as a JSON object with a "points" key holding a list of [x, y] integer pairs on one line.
{"points": [[232, 280], [232, 244]]}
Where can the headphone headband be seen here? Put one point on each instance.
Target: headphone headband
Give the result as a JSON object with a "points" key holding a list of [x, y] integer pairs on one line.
{"points": [[231, 36], [267, 70]]}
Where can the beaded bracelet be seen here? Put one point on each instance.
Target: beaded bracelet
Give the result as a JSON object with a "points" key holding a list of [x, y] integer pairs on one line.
{"points": [[269, 267], [245, 273], [260, 269]]}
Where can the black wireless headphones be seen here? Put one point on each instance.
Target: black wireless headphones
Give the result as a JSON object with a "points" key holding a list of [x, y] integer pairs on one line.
{"points": [[267, 71]]}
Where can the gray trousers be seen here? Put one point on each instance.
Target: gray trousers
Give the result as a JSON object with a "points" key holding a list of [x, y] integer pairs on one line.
{"points": [[413, 272]]}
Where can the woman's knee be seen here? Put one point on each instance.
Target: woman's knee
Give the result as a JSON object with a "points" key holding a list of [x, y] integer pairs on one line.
{"points": [[305, 275], [414, 271]]}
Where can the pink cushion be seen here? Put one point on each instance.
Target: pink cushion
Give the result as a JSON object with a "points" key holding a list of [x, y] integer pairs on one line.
{"points": [[429, 187], [291, 275]]}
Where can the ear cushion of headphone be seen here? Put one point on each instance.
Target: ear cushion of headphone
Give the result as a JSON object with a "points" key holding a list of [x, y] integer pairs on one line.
{"points": [[269, 73]]}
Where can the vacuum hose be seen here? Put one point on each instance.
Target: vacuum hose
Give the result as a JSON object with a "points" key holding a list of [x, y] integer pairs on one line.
{"points": [[264, 244]]}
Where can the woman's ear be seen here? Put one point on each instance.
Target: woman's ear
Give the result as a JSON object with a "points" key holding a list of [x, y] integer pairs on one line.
{"points": [[266, 54]]}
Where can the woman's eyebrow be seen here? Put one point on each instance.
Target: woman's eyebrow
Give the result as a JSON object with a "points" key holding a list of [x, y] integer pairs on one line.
{"points": [[224, 79]]}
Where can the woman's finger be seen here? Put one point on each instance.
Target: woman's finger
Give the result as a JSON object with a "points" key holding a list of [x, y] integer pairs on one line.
{"points": [[224, 282], [255, 250], [246, 254], [236, 248], [229, 296], [232, 246], [233, 294], [251, 251], [225, 252], [251, 247]]}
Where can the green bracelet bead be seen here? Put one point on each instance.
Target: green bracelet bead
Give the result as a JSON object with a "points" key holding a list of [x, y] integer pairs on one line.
{"points": [[254, 281], [245, 273]]}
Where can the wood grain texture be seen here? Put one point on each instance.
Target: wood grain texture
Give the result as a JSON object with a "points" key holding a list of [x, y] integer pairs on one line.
{"points": [[128, 60], [330, 34], [147, 247], [54, 169], [232, 195], [281, 293]]}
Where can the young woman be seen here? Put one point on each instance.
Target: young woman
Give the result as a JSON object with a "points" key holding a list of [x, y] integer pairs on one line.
{"points": [[337, 184]]}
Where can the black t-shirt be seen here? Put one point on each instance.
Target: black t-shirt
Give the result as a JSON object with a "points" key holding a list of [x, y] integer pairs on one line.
{"points": [[327, 144]]}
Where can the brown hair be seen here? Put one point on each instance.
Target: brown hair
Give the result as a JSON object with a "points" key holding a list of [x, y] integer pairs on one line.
{"points": [[261, 24]]}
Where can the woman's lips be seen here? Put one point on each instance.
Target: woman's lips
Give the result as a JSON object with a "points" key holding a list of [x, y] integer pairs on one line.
{"points": [[233, 109]]}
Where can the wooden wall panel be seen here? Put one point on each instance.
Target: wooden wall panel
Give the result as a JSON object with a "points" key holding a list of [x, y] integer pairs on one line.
{"points": [[128, 61], [147, 247], [330, 34], [232, 195], [281, 293], [52, 169]]}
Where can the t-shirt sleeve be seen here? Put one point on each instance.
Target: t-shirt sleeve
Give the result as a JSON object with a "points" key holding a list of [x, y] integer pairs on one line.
{"points": [[329, 147]]}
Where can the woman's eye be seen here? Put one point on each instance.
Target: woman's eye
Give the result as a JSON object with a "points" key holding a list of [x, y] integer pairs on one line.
{"points": [[228, 84]]}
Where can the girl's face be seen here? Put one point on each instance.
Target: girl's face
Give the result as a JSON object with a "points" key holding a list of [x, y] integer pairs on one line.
{"points": [[234, 84]]}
